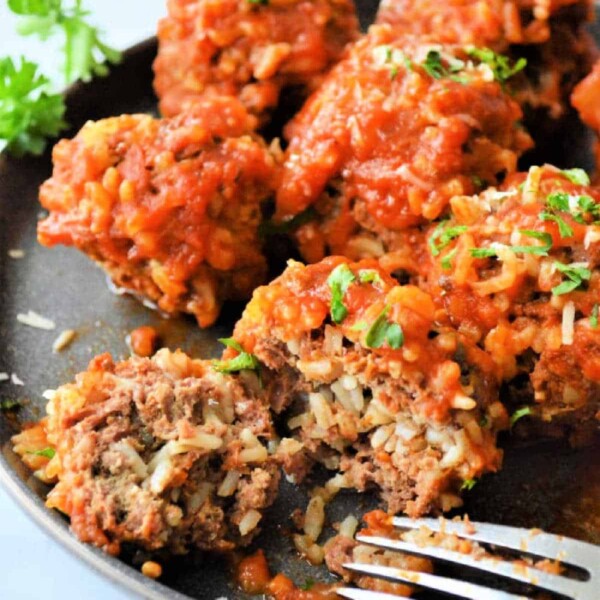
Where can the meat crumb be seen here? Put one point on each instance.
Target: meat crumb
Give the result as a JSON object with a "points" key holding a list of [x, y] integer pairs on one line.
{"points": [[143, 340]]}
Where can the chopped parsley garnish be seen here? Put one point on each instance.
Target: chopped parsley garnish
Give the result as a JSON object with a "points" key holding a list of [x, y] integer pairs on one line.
{"points": [[447, 260], [383, 331], [594, 317], [267, 228], [558, 201], [484, 421], [442, 236], [259, 2], [587, 205], [546, 238], [8, 405], [308, 585], [369, 276], [576, 176], [435, 67], [575, 274], [29, 113], [339, 281], [500, 65], [519, 414], [241, 362], [468, 484], [46, 452]]}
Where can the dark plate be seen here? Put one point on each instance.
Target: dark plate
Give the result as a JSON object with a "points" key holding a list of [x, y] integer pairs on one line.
{"points": [[548, 485]]}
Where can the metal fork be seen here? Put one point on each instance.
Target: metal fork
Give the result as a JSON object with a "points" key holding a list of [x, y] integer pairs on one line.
{"points": [[543, 545]]}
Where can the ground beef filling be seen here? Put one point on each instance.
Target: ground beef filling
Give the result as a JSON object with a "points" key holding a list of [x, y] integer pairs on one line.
{"points": [[164, 453]]}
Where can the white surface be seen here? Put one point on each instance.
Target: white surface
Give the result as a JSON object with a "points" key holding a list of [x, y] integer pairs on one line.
{"points": [[32, 565]]}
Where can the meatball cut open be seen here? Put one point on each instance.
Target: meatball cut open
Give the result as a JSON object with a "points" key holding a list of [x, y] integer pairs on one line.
{"points": [[550, 34], [369, 388], [517, 270], [169, 208], [163, 453], [248, 49], [394, 132]]}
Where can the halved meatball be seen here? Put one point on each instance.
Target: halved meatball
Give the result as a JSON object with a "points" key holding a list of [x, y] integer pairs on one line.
{"points": [[517, 270], [248, 49], [163, 453], [394, 132], [369, 388], [169, 208]]}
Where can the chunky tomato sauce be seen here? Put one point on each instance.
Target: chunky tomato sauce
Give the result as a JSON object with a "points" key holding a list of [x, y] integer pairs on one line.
{"points": [[250, 50], [170, 208]]}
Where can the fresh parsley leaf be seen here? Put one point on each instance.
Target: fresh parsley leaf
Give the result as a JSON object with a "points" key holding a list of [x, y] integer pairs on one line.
{"points": [[241, 362], [500, 65], [468, 484], [594, 317], [9, 405], [576, 176], [28, 113], [447, 260], [564, 228], [369, 276], [442, 236], [259, 2], [383, 331], [575, 275], [520, 413], [435, 67], [268, 228], [338, 281], [558, 201], [47, 452], [538, 250], [308, 585], [85, 54], [588, 205]]}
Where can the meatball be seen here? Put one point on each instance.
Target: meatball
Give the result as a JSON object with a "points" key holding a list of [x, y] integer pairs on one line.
{"points": [[551, 35], [248, 49], [367, 386], [169, 208], [394, 132], [517, 270], [164, 453]]}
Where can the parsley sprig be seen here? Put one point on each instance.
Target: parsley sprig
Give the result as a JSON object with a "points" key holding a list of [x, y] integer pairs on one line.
{"points": [[29, 113], [524, 411], [468, 484], [439, 68], [594, 317], [85, 52], [46, 453], [339, 281], [382, 331], [575, 276], [244, 360]]}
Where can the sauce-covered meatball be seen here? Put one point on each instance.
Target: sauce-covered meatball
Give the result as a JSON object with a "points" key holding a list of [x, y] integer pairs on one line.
{"points": [[169, 208], [551, 35], [369, 388], [248, 49], [163, 453], [517, 270], [394, 132]]}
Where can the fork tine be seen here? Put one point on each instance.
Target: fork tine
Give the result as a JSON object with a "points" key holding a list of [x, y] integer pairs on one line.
{"points": [[529, 575], [464, 589], [546, 545], [355, 594]]}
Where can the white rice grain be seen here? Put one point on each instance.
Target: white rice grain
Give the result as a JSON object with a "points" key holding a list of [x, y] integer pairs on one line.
{"points": [[32, 319], [16, 380], [229, 484], [63, 340], [568, 323], [249, 521], [314, 518]]}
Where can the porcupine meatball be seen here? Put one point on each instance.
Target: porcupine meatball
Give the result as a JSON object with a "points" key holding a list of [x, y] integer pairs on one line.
{"points": [[516, 269], [164, 453], [393, 133], [368, 389], [551, 35], [248, 49], [169, 208]]}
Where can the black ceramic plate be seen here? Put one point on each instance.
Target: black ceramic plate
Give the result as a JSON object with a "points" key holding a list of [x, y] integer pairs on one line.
{"points": [[547, 485]]}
